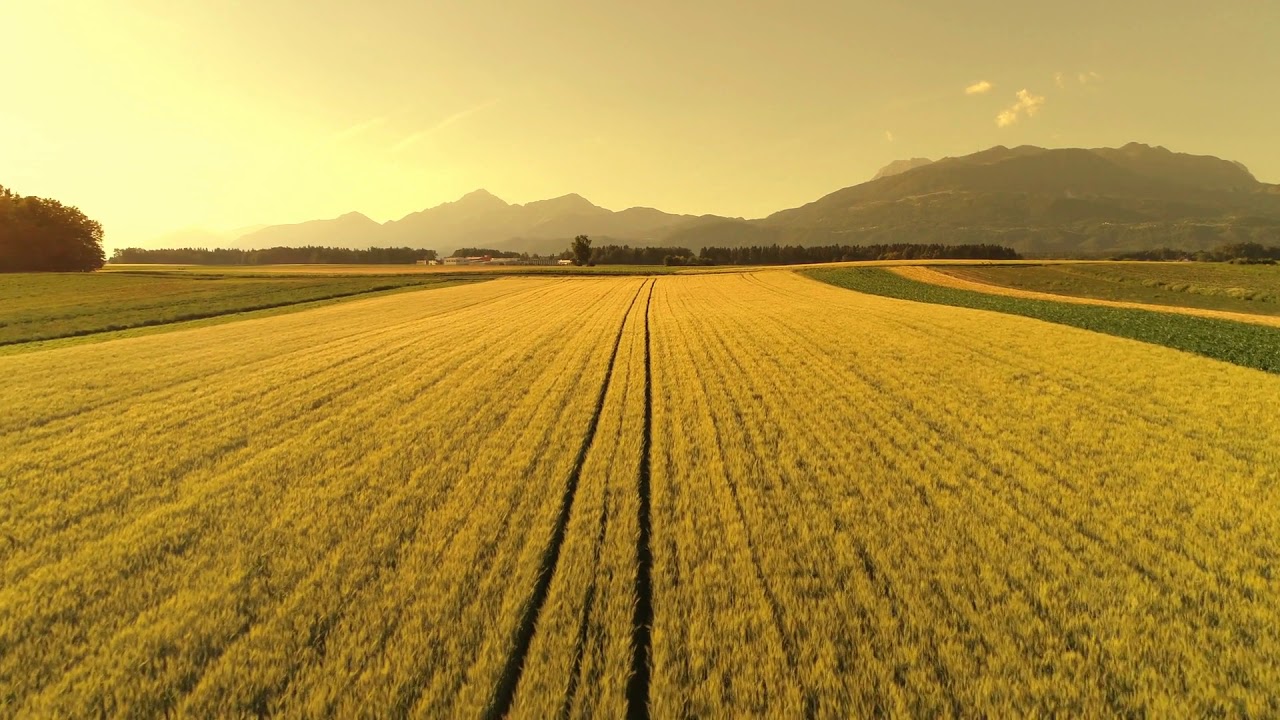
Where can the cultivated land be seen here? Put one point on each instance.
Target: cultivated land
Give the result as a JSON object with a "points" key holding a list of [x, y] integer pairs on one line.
{"points": [[45, 306], [945, 277], [399, 270], [709, 495], [1251, 344], [1208, 286]]}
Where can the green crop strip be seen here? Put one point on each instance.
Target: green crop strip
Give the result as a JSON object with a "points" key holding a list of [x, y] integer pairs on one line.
{"points": [[1252, 346]]}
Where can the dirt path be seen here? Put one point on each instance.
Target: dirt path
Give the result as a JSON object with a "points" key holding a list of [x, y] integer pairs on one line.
{"points": [[934, 277]]}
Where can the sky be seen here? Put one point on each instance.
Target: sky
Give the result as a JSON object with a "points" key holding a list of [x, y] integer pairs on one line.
{"points": [[156, 115]]}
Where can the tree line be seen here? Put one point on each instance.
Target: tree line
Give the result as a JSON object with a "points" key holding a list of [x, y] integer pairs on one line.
{"points": [[274, 256], [627, 255], [798, 254], [43, 235], [1246, 252], [482, 252], [583, 254]]}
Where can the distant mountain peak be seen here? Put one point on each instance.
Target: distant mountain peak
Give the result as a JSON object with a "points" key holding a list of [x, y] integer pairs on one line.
{"points": [[570, 199], [480, 195], [1137, 148], [1063, 200], [1203, 171], [573, 202], [1042, 200], [480, 219], [897, 167]]}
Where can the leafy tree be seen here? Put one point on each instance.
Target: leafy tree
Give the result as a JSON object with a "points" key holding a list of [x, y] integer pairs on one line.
{"points": [[42, 235], [581, 249]]}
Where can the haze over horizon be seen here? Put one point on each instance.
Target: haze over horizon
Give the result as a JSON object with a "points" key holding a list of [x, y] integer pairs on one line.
{"points": [[168, 116]]}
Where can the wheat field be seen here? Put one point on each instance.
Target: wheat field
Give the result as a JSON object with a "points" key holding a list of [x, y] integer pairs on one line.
{"points": [[704, 495]]}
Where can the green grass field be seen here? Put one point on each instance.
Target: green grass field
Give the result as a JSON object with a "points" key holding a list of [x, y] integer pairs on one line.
{"points": [[1210, 286], [1240, 343], [59, 305]]}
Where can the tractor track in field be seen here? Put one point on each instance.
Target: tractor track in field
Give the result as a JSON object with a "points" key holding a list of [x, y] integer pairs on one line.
{"points": [[509, 680], [584, 627], [638, 683], [642, 620]]}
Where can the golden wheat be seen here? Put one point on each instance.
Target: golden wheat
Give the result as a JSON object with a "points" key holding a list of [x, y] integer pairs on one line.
{"points": [[328, 511], [440, 504], [908, 509]]}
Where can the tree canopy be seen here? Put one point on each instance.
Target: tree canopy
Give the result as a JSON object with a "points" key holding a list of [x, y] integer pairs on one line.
{"points": [[796, 254], [481, 252], [581, 250], [627, 255], [1231, 252], [43, 235]]}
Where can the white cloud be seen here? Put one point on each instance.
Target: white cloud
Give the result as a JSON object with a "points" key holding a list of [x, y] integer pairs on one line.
{"points": [[1088, 77], [459, 116], [358, 129], [978, 88], [888, 135], [1027, 104], [1057, 79]]}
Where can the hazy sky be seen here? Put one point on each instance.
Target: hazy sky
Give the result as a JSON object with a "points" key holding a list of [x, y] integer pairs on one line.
{"points": [[152, 115]]}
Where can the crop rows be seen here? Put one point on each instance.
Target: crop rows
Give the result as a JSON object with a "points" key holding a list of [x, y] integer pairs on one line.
{"points": [[1247, 344], [343, 517], [1216, 286], [866, 506], [44, 306], [706, 495], [960, 278]]}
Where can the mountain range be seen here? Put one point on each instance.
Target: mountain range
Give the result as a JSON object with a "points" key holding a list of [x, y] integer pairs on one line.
{"points": [[480, 219], [1068, 201]]}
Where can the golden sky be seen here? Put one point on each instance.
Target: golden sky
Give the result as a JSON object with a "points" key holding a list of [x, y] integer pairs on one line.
{"points": [[154, 115]]}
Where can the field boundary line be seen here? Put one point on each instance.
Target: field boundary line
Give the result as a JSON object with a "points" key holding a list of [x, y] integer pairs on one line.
{"points": [[509, 680], [933, 276], [1250, 345], [201, 320]]}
